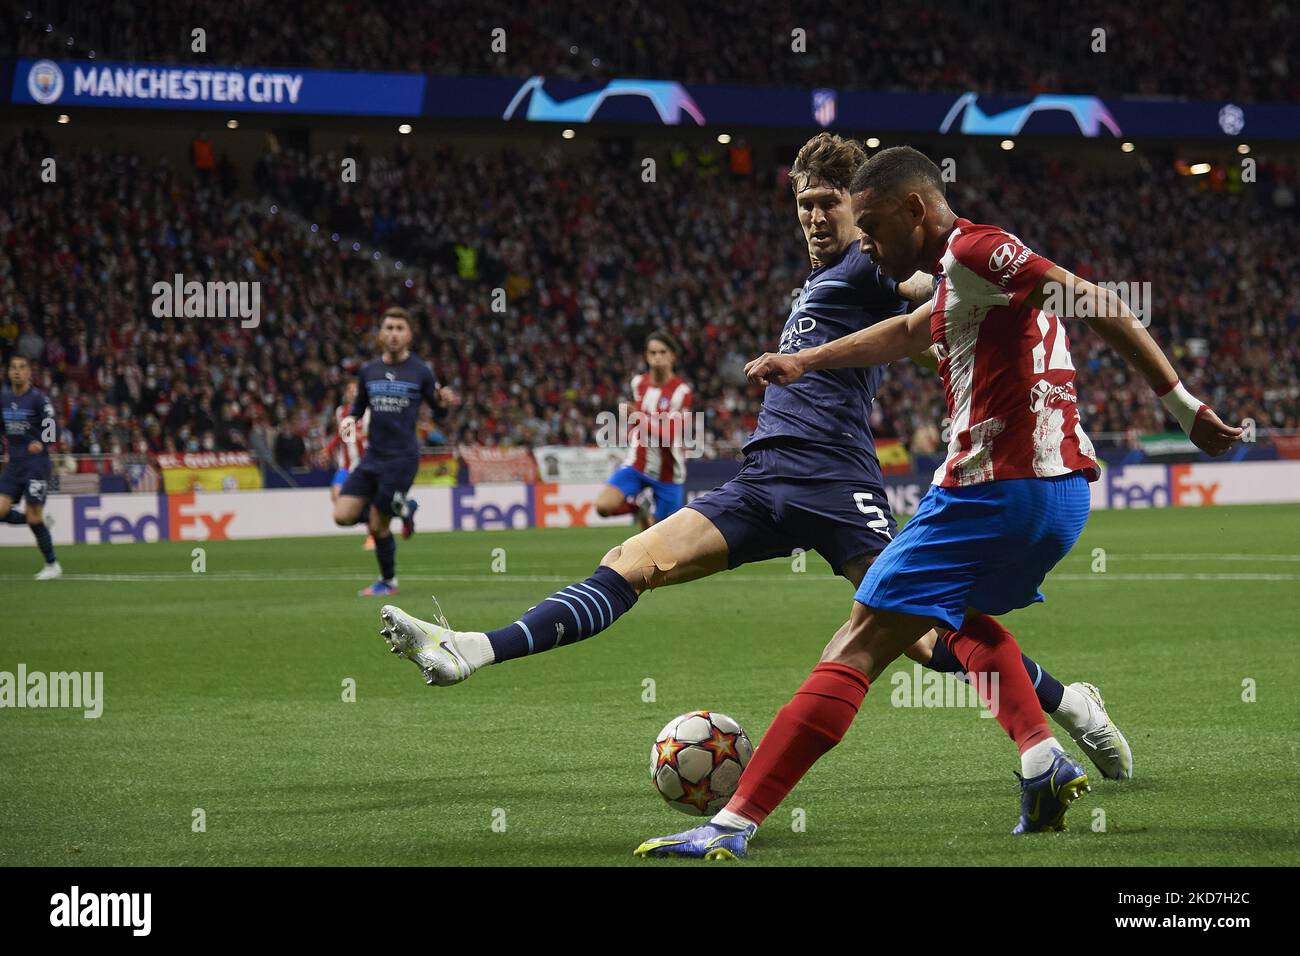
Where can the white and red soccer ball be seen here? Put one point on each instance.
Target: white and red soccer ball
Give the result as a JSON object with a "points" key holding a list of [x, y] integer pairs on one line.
{"points": [[696, 760]]}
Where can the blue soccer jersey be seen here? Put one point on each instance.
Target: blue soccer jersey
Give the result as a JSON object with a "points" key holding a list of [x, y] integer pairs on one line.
{"points": [[393, 394], [831, 408], [26, 417]]}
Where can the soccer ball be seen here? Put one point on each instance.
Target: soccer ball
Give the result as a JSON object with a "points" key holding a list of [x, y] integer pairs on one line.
{"points": [[696, 760]]}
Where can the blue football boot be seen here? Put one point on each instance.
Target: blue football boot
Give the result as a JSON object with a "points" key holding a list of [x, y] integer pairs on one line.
{"points": [[708, 842], [1045, 798]]}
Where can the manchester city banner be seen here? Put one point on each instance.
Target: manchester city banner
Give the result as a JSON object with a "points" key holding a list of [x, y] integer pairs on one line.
{"points": [[539, 99], [271, 90]]}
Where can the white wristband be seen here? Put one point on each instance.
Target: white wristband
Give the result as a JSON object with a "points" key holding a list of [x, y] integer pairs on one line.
{"points": [[1180, 403]]}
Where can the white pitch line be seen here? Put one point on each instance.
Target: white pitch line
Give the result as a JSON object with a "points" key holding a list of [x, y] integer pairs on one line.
{"points": [[1174, 576], [1205, 557], [278, 576]]}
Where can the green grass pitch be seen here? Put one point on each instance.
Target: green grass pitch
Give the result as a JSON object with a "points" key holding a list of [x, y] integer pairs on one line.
{"points": [[224, 691]]}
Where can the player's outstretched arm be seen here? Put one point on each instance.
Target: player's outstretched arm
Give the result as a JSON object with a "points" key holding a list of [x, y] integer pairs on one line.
{"points": [[884, 342], [920, 288], [1112, 319]]}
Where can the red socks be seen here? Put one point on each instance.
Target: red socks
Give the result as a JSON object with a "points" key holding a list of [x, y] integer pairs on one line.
{"points": [[626, 508], [821, 711], [986, 648], [814, 721]]}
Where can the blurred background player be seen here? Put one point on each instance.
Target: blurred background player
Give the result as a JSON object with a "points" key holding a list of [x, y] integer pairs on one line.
{"points": [[391, 388], [346, 446], [655, 459], [29, 423]]}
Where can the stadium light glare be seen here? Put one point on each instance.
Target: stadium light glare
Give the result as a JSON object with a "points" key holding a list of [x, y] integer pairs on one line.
{"points": [[724, 138], [404, 129], [1008, 144], [873, 142], [232, 124], [1126, 147], [568, 134], [64, 119], [1199, 169], [1243, 149]]}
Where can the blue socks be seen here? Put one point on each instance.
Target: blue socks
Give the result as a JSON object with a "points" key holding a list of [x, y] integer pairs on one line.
{"points": [[571, 614], [1047, 687], [386, 554], [15, 517]]}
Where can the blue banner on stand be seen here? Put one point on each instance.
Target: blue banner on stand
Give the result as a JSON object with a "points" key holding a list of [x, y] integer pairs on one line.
{"points": [[268, 90], [648, 102]]}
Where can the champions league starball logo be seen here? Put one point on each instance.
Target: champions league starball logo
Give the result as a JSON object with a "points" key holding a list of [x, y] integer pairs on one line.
{"points": [[45, 81]]}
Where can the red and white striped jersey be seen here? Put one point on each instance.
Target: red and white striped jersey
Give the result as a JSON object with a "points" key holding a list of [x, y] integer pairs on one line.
{"points": [[1006, 366], [656, 441], [348, 451]]}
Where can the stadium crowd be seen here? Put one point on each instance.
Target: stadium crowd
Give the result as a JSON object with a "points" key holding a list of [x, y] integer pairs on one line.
{"points": [[1177, 48], [590, 258]]}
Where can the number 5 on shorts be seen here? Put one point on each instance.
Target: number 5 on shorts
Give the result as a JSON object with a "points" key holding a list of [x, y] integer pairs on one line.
{"points": [[878, 520]]}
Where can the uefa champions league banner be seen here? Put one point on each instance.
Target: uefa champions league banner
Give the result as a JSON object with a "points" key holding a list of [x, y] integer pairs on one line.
{"points": [[269, 90], [235, 515], [540, 99], [623, 100]]}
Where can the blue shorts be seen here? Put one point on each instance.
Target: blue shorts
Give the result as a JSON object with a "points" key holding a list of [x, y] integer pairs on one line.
{"points": [[668, 496], [28, 479], [987, 546], [380, 481], [775, 506], [340, 476]]}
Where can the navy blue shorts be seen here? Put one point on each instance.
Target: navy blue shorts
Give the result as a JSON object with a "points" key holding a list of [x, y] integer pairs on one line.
{"points": [[26, 479], [763, 513], [987, 546], [381, 481]]}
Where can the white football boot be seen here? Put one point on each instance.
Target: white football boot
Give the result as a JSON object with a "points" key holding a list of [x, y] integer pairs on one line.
{"points": [[430, 646], [1100, 739], [49, 572]]}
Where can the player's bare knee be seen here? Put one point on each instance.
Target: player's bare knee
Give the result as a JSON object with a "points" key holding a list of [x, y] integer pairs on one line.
{"points": [[643, 560]]}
